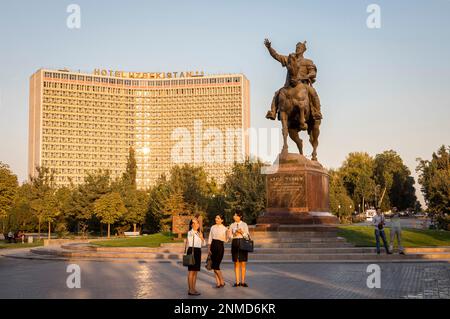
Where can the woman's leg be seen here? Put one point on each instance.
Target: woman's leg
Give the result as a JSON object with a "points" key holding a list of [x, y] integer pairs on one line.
{"points": [[243, 271], [221, 281], [216, 273], [236, 271], [190, 281], [194, 280]]}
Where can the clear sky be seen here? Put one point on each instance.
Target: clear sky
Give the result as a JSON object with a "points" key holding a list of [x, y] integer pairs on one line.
{"points": [[381, 89]]}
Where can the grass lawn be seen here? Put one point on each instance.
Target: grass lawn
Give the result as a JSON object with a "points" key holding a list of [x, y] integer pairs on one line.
{"points": [[363, 236], [4, 244], [153, 240]]}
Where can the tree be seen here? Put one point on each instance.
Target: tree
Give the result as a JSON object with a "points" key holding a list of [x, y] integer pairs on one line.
{"points": [[434, 178], [395, 181], [51, 210], [136, 203], [109, 208], [8, 191], [341, 204], [157, 199], [129, 177], [357, 175], [174, 204], [21, 215], [42, 188], [192, 182], [245, 189], [96, 184]]}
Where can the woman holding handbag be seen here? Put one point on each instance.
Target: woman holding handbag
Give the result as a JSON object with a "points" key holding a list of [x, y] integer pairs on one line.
{"points": [[239, 230], [217, 236], [195, 241]]}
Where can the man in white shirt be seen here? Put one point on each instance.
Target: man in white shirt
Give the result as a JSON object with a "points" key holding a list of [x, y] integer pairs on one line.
{"points": [[396, 231], [379, 221]]}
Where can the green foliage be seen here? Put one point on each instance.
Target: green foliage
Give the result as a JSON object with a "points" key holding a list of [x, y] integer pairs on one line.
{"points": [[109, 208], [341, 204], [192, 183], [363, 236], [8, 190], [153, 240], [245, 189], [129, 177], [357, 175], [155, 219], [434, 177], [394, 177]]}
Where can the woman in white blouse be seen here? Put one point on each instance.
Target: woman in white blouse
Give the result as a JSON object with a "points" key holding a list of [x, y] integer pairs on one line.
{"points": [[239, 229], [218, 235], [195, 241]]}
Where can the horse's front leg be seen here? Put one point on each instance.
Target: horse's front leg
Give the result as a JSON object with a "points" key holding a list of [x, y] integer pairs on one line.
{"points": [[284, 130], [314, 138]]}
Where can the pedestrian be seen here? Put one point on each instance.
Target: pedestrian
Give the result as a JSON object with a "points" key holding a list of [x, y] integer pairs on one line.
{"points": [[239, 230], [10, 236], [195, 241], [218, 235], [396, 231], [379, 222]]}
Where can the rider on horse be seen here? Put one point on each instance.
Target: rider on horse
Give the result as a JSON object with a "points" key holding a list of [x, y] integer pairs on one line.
{"points": [[300, 71]]}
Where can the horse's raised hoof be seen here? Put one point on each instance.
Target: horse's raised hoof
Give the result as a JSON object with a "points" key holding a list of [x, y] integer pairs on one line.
{"points": [[270, 115]]}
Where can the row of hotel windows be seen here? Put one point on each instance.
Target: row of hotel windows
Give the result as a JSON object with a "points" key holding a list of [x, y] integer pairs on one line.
{"points": [[108, 137], [84, 156], [86, 126], [84, 148], [155, 92], [87, 118], [89, 78], [57, 165], [85, 141], [87, 110]]}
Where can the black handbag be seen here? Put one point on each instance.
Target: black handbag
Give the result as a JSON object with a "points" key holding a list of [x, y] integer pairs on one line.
{"points": [[188, 259], [208, 263], [246, 244]]}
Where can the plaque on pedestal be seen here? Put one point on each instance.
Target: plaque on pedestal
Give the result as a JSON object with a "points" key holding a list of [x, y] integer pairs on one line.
{"points": [[297, 192]]}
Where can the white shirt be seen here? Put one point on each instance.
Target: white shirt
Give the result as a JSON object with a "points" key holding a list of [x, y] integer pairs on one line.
{"points": [[195, 237], [377, 219], [218, 232], [241, 225], [395, 221]]}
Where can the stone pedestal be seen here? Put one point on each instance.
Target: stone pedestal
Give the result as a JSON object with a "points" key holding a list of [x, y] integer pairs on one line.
{"points": [[297, 193]]}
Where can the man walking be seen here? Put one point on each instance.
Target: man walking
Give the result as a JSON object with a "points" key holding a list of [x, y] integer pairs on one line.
{"points": [[378, 222], [396, 231]]}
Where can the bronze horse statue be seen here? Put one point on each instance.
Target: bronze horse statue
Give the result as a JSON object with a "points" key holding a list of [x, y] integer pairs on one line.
{"points": [[297, 103], [294, 107]]}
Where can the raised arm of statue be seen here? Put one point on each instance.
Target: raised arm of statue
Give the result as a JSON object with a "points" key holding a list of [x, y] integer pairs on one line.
{"points": [[280, 58]]}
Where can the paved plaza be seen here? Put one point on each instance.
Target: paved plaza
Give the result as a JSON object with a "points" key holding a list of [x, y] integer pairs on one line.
{"points": [[22, 278]]}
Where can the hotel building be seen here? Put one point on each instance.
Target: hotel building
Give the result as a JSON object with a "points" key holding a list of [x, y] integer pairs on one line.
{"points": [[82, 122]]}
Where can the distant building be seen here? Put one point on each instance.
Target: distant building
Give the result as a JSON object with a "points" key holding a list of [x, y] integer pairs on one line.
{"points": [[81, 122]]}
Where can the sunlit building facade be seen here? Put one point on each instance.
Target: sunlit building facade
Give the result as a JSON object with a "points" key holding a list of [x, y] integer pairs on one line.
{"points": [[81, 122]]}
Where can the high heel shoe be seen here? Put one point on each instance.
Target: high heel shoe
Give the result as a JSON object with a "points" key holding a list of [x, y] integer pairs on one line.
{"points": [[236, 284]]}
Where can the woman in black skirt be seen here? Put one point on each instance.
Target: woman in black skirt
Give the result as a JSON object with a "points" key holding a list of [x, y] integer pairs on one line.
{"points": [[217, 236], [238, 230], [195, 241]]}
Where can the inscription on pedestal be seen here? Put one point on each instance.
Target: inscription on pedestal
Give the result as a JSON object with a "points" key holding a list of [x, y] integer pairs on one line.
{"points": [[287, 191]]}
